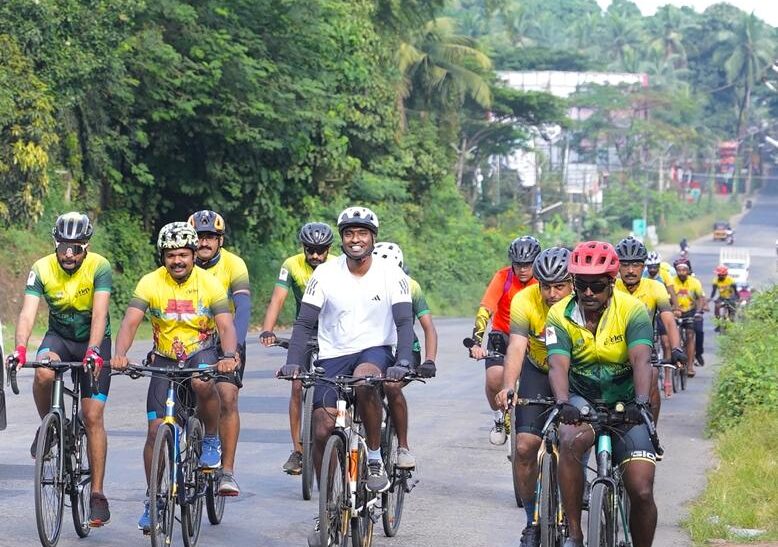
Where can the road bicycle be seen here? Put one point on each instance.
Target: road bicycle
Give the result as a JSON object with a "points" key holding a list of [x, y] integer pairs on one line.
{"points": [[61, 464], [685, 324]]}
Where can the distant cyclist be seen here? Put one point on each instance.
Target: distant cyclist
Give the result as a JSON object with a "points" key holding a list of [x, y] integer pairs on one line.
{"points": [[76, 284], [691, 302], [496, 304], [230, 270], [725, 286], [316, 239]]}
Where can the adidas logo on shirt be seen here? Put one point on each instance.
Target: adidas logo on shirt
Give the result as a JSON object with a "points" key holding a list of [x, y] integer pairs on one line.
{"points": [[376, 298]]}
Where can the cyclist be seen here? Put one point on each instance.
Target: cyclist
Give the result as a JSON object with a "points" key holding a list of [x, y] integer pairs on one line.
{"points": [[398, 406], [230, 270], [190, 315], [727, 289], [632, 256], [362, 307], [496, 303], [691, 302], [613, 366], [527, 359], [316, 239], [76, 285]]}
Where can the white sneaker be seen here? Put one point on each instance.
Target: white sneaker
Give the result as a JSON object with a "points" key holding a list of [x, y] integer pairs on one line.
{"points": [[405, 460], [497, 435]]}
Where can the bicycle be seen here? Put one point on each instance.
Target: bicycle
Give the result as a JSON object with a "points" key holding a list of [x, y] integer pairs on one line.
{"points": [[727, 312], [176, 475], [663, 366], [61, 463], [685, 324], [306, 432]]}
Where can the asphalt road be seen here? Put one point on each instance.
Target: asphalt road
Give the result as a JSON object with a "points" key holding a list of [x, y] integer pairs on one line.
{"points": [[465, 494]]}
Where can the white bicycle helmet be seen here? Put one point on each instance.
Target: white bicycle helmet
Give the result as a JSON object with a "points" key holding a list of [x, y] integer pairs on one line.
{"points": [[389, 251], [653, 259], [358, 216]]}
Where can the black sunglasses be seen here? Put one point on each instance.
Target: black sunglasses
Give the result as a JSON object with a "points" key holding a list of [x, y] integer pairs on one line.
{"points": [[595, 286], [316, 250], [75, 248]]}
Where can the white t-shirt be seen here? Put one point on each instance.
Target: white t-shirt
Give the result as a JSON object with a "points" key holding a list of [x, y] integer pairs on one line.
{"points": [[356, 312]]}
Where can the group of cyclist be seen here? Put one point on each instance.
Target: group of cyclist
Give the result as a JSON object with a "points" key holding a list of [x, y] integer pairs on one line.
{"points": [[579, 327]]}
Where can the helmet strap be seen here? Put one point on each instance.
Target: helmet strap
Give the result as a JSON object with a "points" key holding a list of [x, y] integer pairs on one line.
{"points": [[209, 263]]}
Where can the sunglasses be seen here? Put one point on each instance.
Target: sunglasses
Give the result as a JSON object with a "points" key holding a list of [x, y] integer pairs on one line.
{"points": [[75, 248], [316, 250], [595, 286]]}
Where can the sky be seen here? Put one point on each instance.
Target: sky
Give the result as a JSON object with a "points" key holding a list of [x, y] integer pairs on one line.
{"points": [[766, 10]]}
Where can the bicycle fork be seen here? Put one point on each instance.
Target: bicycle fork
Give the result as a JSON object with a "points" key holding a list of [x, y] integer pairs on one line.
{"points": [[605, 474], [170, 421]]}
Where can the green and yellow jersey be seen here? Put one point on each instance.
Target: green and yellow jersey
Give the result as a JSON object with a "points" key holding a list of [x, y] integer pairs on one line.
{"points": [[688, 292], [599, 365], [294, 275], [69, 296], [420, 308], [232, 273], [726, 287], [182, 315], [528, 319], [652, 293]]}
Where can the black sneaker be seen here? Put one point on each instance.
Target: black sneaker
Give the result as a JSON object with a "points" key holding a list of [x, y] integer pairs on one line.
{"points": [[530, 537], [99, 514], [700, 361], [294, 465]]}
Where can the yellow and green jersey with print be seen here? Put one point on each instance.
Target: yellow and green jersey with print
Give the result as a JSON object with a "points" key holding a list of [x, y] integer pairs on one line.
{"points": [[726, 287], [232, 273], [528, 319], [182, 314], [599, 364], [69, 296], [294, 275], [420, 308], [687, 292], [652, 293]]}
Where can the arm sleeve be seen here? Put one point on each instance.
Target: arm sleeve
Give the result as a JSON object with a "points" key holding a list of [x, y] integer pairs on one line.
{"points": [[303, 330], [103, 277], [403, 319], [639, 328], [242, 315]]}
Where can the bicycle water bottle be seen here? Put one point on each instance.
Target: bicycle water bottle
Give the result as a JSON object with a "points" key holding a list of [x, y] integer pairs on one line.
{"points": [[340, 420]]}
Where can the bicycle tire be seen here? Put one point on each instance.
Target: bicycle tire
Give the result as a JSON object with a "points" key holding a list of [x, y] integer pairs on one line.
{"points": [[362, 523], [193, 484], [676, 379], [81, 484], [161, 485], [49, 480], [214, 503], [393, 499], [683, 375], [306, 437], [514, 469], [333, 495], [548, 508], [602, 520]]}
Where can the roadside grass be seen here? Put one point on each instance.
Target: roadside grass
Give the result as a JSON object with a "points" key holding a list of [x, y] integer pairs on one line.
{"points": [[677, 229], [741, 492]]}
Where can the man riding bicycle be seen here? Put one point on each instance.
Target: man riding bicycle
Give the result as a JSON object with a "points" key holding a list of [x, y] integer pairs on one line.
{"points": [[526, 360], [190, 318], [496, 303], [230, 270], [691, 302], [76, 285], [362, 307], [316, 239], [599, 349], [725, 285]]}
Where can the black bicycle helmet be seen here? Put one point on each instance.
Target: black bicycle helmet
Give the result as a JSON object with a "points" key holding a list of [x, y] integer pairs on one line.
{"points": [[316, 234], [630, 249], [72, 226], [524, 250], [551, 266], [207, 221]]}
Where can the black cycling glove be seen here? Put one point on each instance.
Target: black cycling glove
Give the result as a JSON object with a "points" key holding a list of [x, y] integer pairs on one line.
{"points": [[678, 356], [568, 414], [289, 370], [426, 369]]}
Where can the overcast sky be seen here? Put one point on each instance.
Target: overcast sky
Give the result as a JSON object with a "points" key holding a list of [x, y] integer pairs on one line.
{"points": [[764, 9]]}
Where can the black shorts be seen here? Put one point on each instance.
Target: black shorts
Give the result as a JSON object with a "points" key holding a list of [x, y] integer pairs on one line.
{"points": [[185, 397], [237, 378], [496, 341], [630, 442], [70, 350], [660, 326], [324, 395], [533, 383]]}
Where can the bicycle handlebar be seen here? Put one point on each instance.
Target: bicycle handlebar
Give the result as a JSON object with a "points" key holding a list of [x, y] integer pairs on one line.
{"points": [[56, 366], [491, 354], [208, 372]]}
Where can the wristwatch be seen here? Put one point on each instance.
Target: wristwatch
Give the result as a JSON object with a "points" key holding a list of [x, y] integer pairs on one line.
{"points": [[230, 355]]}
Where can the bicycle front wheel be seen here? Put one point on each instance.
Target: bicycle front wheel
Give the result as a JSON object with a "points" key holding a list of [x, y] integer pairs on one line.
{"points": [[214, 503], [194, 484], [392, 500], [682, 376], [334, 511], [362, 523], [602, 517], [161, 488], [307, 440], [549, 510], [49, 480], [81, 484]]}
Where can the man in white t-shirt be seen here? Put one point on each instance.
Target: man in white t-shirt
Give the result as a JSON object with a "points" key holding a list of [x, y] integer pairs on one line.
{"points": [[363, 308]]}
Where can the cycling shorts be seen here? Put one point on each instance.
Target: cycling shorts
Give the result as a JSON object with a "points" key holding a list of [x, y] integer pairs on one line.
{"points": [[496, 341], [533, 383], [70, 350], [185, 397], [326, 396]]}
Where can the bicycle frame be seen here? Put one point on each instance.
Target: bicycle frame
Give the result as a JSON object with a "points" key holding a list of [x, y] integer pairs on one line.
{"points": [[610, 475]]}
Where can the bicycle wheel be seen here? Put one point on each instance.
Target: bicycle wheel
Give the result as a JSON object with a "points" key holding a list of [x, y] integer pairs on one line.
{"points": [[514, 468], [194, 484], [214, 503], [549, 506], [602, 517], [362, 523], [81, 483], [334, 494], [683, 374], [392, 500], [161, 487], [307, 440], [676, 377], [49, 480]]}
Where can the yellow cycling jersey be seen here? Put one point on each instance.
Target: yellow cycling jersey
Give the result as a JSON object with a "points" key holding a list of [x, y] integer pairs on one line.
{"points": [[232, 273], [651, 293], [687, 292], [182, 315], [69, 296], [726, 287], [599, 365], [528, 319], [295, 273]]}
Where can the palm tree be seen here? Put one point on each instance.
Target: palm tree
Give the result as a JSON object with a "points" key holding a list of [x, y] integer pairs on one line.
{"points": [[622, 34], [519, 25], [668, 27]]}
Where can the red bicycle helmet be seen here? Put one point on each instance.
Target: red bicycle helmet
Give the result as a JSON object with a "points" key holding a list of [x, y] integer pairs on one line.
{"points": [[594, 258], [721, 269]]}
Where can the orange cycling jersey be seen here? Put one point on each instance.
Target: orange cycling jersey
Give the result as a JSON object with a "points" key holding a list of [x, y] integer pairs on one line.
{"points": [[497, 298]]}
